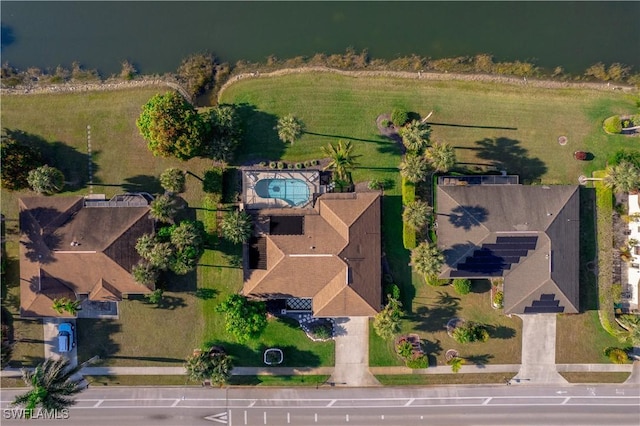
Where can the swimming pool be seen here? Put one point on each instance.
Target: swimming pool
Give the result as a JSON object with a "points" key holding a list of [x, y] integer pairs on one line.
{"points": [[294, 191]]}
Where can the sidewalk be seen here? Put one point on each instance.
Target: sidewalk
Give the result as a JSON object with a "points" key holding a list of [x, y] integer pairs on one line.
{"points": [[322, 371]]}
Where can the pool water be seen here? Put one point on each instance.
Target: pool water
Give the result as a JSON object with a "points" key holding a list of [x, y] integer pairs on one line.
{"points": [[294, 191]]}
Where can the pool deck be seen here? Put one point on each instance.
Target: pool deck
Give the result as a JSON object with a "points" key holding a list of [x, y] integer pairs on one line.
{"points": [[254, 201]]}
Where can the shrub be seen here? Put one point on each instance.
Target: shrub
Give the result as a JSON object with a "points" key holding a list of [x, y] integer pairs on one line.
{"points": [[307, 163], [385, 123], [173, 180], [298, 165], [408, 236], [280, 165], [404, 349], [434, 281], [408, 192], [399, 116], [392, 290], [213, 181], [418, 362], [613, 124], [462, 286], [273, 164], [315, 162], [470, 332], [616, 355], [46, 180], [321, 330], [498, 299], [263, 164]]}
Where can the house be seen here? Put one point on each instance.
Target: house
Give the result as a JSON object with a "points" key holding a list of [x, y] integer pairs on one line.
{"points": [[529, 235], [79, 248], [325, 259]]}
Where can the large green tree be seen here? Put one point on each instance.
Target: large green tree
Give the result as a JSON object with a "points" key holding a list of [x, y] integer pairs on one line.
{"points": [[171, 126], [427, 259], [236, 226], [415, 136], [441, 156], [417, 214], [46, 180], [623, 177], [164, 208], [289, 128], [341, 158], [17, 161], [245, 319], [223, 132], [214, 365], [414, 168], [52, 385]]}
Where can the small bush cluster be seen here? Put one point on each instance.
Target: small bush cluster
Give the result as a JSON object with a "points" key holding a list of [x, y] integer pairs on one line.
{"points": [[462, 286], [498, 299], [434, 281], [613, 124], [616, 355], [399, 116], [412, 358], [470, 332], [213, 182]]}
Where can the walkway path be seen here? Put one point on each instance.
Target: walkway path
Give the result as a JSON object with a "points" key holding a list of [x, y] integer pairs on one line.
{"points": [[538, 364], [352, 353]]}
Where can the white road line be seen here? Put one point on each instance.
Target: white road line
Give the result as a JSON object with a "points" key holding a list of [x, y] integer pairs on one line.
{"points": [[382, 417], [316, 417], [487, 401], [245, 417], [409, 402], [253, 402], [288, 418], [565, 401], [333, 401], [229, 413], [97, 404], [347, 418], [265, 417], [175, 403]]}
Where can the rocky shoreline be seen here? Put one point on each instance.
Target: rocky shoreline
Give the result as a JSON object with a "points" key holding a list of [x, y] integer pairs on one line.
{"points": [[432, 76]]}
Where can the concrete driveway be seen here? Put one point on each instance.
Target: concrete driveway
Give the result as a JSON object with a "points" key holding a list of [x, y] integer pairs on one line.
{"points": [[538, 365], [352, 353], [51, 339]]}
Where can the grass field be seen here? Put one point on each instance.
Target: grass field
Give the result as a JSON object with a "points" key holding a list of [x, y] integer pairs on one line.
{"points": [[443, 379], [595, 377]]}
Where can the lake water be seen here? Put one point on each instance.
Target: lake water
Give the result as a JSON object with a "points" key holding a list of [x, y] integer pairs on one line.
{"points": [[155, 36]]}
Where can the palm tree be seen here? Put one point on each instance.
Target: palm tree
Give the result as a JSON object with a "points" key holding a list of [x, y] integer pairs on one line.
{"points": [[427, 259], [236, 226], [63, 304], [442, 156], [163, 208], [415, 135], [456, 363], [623, 177], [173, 180], [46, 180], [52, 384], [417, 214], [414, 168], [386, 323], [289, 128], [341, 157], [214, 365]]}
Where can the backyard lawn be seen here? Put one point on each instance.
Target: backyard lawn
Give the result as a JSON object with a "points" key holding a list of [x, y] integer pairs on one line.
{"points": [[512, 127]]}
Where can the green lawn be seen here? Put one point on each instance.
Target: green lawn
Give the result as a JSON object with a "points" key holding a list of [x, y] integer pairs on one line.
{"points": [[583, 377], [581, 339], [443, 379]]}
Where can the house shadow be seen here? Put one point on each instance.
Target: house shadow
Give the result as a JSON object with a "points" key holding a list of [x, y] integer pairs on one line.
{"points": [[71, 162], [260, 138], [500, 332], [480, 286], [507, 154], [433, 318]]}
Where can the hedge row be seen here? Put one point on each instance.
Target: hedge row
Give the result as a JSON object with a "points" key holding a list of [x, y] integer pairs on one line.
{"points": [[604, 213], [213, 183], [408, 196]]}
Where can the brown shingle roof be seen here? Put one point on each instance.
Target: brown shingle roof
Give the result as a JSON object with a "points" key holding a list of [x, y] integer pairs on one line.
{"points": [[99, 265], [336, 261], [470, 216]]}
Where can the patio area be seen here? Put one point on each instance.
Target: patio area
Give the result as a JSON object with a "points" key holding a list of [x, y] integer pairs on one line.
{"points": [[280, 188]]}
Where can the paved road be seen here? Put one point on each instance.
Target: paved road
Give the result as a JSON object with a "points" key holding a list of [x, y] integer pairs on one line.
{"points": [[451, 405]]}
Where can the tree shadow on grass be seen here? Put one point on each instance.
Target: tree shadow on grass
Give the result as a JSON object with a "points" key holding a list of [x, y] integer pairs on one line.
{"points": [[206, 293], [434, 318], [509, 155], [500, 332], [142, 183], [432, 349], [245, 356], [72, 163], [260, 139], [480, 286], [479, 359]]}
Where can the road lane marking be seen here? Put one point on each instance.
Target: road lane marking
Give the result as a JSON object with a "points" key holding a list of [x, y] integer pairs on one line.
{"points": [[316, 417], [245, 417], [288, 418], [409, 402], [382, 417], [333, 401], [219, 418], [347, 418], [265, 417], [253, 402], [565, 401], [97, 404], [487, 401], [175, 403]]}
